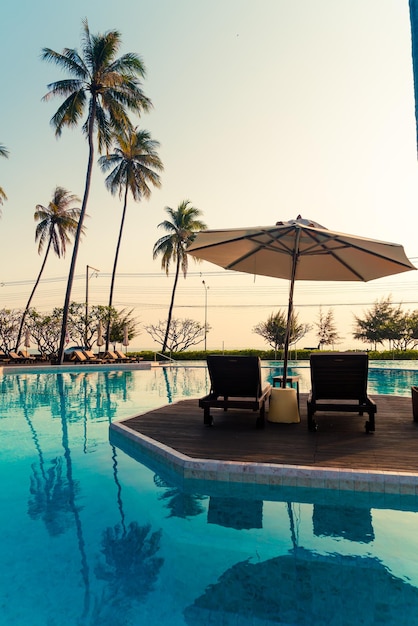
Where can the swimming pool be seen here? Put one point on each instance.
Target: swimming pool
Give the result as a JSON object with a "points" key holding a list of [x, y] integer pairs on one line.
{"points": [[91, 535], [385, 377]]}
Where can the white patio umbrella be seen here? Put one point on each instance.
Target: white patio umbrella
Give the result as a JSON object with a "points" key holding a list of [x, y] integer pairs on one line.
{"points": [[27, 338], [125, 337], [299, 249], [100, 340]]}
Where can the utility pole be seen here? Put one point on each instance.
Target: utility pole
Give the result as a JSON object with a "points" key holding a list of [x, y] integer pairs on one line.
{"points": [[206, 309], [88, 267]]}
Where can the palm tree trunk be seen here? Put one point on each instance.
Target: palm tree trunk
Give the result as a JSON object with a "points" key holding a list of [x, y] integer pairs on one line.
{"points": [[170, 310], [32, 294], [60, 358], [413, 14], [112, 283]]}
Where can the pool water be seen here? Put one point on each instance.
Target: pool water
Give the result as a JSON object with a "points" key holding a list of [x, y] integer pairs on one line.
{"points": [[91, 535], [384, 377]]}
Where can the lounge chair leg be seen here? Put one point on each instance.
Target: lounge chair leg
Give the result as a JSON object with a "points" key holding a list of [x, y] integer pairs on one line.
{"points": [[207, 417], [312, 425], [261, 422], [369, 425]]}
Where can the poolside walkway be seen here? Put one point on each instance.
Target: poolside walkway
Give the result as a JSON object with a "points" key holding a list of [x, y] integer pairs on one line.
{"points": [[340, 448]]}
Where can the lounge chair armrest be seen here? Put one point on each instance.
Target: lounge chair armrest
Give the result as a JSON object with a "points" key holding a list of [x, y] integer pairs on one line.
{"points": [[266, 392]]}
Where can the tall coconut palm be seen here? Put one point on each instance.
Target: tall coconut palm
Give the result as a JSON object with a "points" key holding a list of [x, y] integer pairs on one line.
{"points": [[4, 153], [56, 224], [181, 229], [135, 164], [106, 88]]}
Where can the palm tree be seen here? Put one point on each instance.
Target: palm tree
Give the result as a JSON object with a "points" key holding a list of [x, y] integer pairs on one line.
{"points": [[4, 153], [135, 162], [107, 87], [56, 223], [181, 229]]}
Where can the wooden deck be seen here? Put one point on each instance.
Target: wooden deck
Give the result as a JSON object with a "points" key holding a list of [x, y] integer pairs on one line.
{"points": [[340, 441]]}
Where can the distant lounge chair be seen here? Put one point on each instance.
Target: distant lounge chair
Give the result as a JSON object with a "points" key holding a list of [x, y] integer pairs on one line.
{"points": [[123, 357], [339, 383], [235, 384], [3, 357], [26, 355], [77, 355], [80, 357], [110, 357], [91, 357], [17, 358]]}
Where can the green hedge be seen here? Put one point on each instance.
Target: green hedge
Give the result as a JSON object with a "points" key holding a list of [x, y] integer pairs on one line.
{"points": [[298, 355]]}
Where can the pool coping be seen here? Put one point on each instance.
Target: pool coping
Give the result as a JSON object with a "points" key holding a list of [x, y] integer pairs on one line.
{"points": [[187, 468], [34, 368]]}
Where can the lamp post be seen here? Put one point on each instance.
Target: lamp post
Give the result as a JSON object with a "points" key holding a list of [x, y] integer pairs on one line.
{"points": [[88, 267], [206, 309]]}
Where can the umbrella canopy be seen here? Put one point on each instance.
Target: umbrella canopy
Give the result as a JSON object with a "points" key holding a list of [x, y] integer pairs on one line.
{"points": [[299, 249], [27, 338], [100, 340], [125, 336]]}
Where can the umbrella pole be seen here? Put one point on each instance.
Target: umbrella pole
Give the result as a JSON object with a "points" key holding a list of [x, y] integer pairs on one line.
{"points": [[290, 308]]}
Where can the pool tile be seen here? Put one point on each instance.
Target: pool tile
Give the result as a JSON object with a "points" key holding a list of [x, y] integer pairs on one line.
{"points": [[269, 474]]}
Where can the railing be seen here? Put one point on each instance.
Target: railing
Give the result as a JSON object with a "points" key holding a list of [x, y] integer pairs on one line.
{"points": [[164, 356]]}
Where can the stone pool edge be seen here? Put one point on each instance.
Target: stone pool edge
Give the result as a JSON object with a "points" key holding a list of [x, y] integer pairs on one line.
{"points": [[269, 474]]}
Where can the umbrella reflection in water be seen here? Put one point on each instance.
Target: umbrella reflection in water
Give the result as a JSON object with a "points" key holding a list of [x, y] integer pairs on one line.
{"points": [[304, 587]]}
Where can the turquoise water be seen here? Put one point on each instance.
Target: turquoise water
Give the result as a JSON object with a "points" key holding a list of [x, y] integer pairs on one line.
{"points": [[385, 377], [90, 535]]}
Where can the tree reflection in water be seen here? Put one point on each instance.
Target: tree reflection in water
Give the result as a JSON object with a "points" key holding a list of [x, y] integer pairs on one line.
{"points": [[49, 490], [128, 563], [50, 497], [173, 383], [72, 493], [180, 504], [131, 565]]}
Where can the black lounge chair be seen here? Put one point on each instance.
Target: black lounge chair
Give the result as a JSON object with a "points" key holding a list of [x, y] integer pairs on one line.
{"points": [[339, 383], [235, 384]]}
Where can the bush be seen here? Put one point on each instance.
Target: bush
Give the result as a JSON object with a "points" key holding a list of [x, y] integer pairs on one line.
{"points": [[268, 355]]}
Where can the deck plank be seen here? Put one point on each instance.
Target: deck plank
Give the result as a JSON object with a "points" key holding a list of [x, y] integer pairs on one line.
{"points": [[340, 441]]}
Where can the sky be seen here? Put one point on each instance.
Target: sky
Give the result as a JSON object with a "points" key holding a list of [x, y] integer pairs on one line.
{"points": [[264, 109]]}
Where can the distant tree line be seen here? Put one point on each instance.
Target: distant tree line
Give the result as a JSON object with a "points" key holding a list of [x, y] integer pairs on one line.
{"points": [[384, 322], [43, 329]]}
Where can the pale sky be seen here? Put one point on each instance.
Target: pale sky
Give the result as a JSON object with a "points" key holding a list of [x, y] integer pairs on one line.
{"points": [[265, 109]]}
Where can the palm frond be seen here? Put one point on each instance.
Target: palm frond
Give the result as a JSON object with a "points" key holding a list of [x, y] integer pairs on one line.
{"points": [[63, 88], [4, 151], [129, 64], [68, 60], [110, 84], [57, 221], [69, 113]]}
